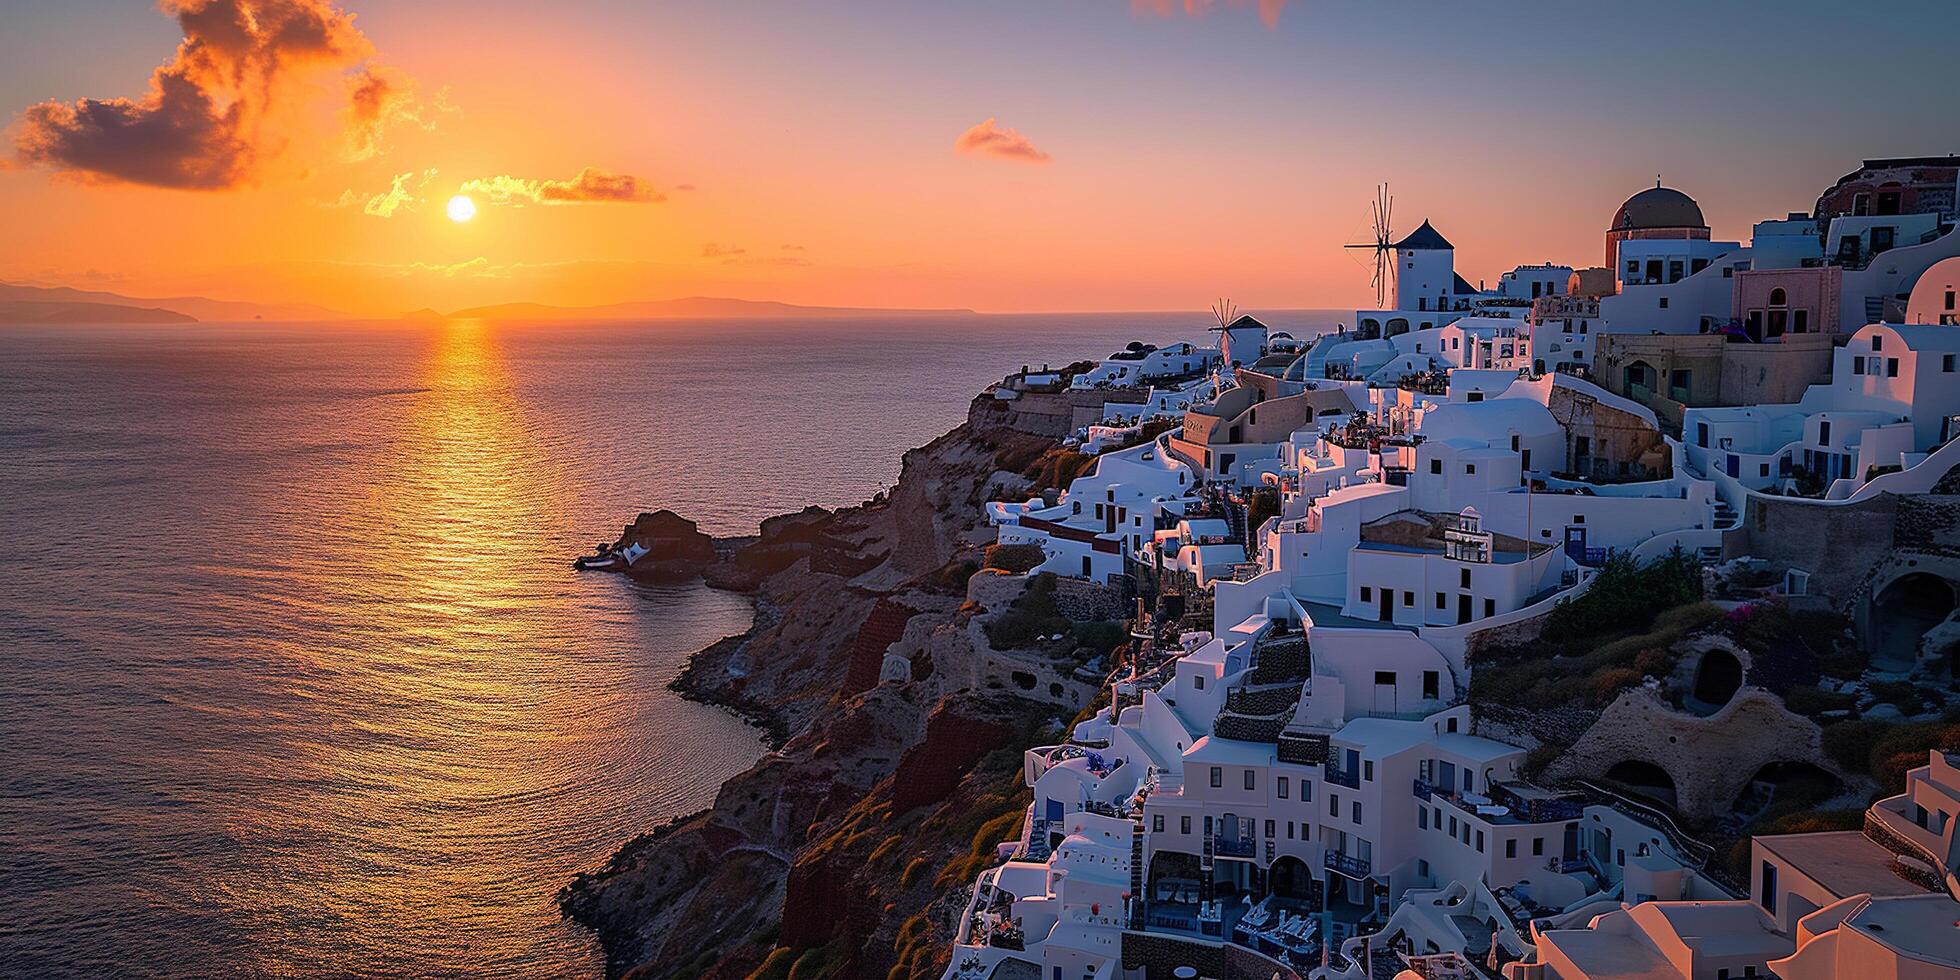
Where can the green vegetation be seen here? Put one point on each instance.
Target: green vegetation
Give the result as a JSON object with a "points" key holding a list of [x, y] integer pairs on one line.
{"points": [[1261, 503], [1032, 616], [1886, 749], [1627, 595], [1014, 558], [1588, 669], [1055, 469]]}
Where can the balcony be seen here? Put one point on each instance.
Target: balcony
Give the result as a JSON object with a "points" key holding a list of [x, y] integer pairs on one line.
{"points": [[1351, 778], [1422, 790], [1349, 865], [1225, 846]]}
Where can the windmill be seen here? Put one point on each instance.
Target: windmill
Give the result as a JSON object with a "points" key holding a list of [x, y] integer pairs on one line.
{"points": [[1224, 311], [1384, 251]]}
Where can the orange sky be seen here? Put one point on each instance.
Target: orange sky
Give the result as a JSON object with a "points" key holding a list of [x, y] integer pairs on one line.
{"points": [[1001, 156]]}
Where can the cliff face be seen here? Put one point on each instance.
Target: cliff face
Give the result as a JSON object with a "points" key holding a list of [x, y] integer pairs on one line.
{"points": [[822, 846]]}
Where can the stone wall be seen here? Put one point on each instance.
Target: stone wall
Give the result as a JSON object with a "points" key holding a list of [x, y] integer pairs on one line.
{"points": [[1084, 601], [1710, 759]]}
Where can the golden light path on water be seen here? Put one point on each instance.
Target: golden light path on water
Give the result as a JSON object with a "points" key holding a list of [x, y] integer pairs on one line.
{"points": [[467, 721], [295, 679]]}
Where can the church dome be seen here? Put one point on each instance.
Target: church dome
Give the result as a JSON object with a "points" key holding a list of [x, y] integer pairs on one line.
{"points": [[1658, 207]]}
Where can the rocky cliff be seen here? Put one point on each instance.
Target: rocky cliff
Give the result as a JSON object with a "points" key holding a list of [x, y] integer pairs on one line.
{"points": [[879, 795]]}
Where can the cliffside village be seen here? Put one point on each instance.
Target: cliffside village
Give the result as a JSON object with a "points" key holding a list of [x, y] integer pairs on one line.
{"points": [[1393, 698]]}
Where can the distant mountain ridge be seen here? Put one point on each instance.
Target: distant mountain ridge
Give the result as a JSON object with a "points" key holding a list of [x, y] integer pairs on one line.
{"points": [[20, 303], [36, 311], [690, 306]]}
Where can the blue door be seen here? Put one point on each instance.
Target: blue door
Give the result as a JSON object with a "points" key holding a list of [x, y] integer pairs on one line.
{"points": [[1054, 811], [1575, 542], [1735, 466]]}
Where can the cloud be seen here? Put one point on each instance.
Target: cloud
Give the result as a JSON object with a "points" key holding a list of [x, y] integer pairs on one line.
{"points": [[476, 268], [1269, 10], [379, 100], [715, 251], [794, 248], [590, 185], [230, 99], [398, 196], [987, 139]]}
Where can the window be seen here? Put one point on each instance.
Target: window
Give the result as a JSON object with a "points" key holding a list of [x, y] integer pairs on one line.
{"points": [[1442, 601], [1480, 842], [1367, 594], [1157, 824], [1270, 826], [1778, 298], [1663, 302], [1409, 599], [1490, 607], [1436, 467], [1891, 367], [1432, 682], [1199, 681], [1769, 887], [1357, 811], [1385, 677], [1289, 830], [1452, 826], [1949, 299], [1306, 791], [1368, 770], [1878, 342], [1280, 787], [1250, 779], [1946, 363], [1470, 468], [1511, 848], [1464, 578], [1538, 847], [1422, 819], [1184, 824], [1858, 365], [1578, 518], [1333, 804], [1217, 777]]}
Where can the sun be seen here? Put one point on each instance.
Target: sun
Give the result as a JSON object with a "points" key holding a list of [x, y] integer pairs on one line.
{"points": [[461, 208]]}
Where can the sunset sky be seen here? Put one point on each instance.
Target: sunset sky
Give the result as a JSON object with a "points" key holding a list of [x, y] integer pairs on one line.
{"points": [[1003, 155]]}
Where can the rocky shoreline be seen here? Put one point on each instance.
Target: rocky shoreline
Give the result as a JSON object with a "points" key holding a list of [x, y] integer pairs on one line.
{"points": [[895, 752]]}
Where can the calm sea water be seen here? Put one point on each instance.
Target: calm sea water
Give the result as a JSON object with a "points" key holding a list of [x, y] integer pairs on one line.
{"points": [[294, 676]]}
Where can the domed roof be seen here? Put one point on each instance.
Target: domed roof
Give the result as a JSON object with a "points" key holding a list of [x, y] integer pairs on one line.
{"points": [[1658, 207]]}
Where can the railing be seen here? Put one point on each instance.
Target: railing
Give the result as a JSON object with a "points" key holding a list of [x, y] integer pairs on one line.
{"points": [[1234, 846], [1422, 790], [1348, 864], [1342, 777]]}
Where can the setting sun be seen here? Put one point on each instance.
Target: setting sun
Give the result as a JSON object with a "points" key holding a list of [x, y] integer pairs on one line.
{"points": [[461, 208]]}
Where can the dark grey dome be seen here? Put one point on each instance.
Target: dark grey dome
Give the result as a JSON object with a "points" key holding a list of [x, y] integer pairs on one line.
{"points": [[1658, 207]]}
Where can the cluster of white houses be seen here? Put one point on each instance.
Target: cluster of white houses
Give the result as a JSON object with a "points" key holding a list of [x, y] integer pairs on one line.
{"points": [[1297, 791]]}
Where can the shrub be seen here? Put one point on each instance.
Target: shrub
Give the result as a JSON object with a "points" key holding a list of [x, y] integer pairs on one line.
{"points": [[1812, 701], [1015, 558], [1032, 616], [1627, 595], [1101, 636], [776, 966], [1054, 469], [910, 876], [1850, 743]]}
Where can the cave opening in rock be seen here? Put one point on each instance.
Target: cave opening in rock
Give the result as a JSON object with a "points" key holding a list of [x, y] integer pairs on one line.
{"points": [[1901, 614], [1644, 778], [1717, 678], [1787, 785]]}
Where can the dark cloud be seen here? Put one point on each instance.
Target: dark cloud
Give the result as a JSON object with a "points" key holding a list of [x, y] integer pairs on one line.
{"points": [[214, 112]]}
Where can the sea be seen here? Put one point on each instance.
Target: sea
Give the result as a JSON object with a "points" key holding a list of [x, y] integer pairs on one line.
{"points": [[295, 676]]}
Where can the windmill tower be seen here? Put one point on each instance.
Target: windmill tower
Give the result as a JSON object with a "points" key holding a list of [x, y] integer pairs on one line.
{"points": [[1241, 339], [1383, 246]]}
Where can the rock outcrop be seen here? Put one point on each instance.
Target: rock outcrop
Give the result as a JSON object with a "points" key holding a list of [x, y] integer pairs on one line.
{"points": [[822, 847]]}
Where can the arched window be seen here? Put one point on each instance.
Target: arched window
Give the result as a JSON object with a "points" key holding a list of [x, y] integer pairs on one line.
{"points": [[1778, 298]]}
